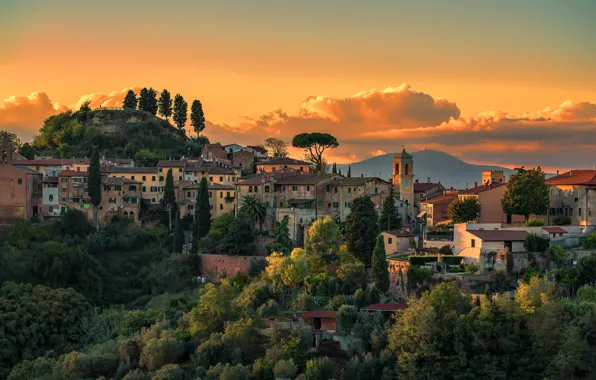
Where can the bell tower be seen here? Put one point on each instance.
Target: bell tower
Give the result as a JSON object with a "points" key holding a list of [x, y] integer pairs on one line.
{"points": [[6, 151], [403, 177]]}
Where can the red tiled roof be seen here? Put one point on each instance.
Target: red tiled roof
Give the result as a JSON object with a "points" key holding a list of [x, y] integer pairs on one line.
{"points": [[386, 306], [170, 163], [482, 188], [326, 314], [220, 170], [72, 173], [284, 161], [574, 177], [499, 235], [304, 179], [441, 199], [554, 230], [49, 161], [421, 187], [257, 148]]}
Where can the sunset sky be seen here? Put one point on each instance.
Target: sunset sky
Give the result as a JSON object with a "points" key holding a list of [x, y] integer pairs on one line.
{"points": [[506, 82]]}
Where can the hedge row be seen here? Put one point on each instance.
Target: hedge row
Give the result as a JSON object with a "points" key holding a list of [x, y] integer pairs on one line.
{"points": [[422, 260]]}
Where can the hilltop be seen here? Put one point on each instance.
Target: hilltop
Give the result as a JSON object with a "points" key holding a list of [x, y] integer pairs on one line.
{"points": [[116, 132], [436, 165]]}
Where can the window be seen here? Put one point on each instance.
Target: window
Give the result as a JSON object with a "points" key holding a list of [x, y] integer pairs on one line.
{"points": [[112, 200], [329, 205], [281, 204], [256, 189], [390, 240], [107, 188], [307, 188], [132, 177], [143, 189], [335, 204], [267, 188], [188, 194], [179, 178], [250, 189], [153, 178], [64, 180], [132, 188], [294, 188], [144, 178], [160, 170], [50, 209], [152, 200], [221, 194], [51, 198], [227, 194], [161, 178], [579, 212], [220, 179], [220, 206], [473, 243], [20, 181], [191, 207], [179, 170], [210, 179], [347, 204], [118, 187], [349, 190], [301, 169], [153, 189], [376, 190], [336, 190], [328, 188]]}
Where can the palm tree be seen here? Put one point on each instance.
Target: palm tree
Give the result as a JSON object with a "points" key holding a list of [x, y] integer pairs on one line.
{"points": [[253, 208]]}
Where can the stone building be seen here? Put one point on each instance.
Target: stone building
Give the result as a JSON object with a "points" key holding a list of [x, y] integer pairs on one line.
{"points": [[573, 195]]}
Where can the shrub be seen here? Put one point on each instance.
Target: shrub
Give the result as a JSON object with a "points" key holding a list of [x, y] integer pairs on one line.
{"points": [[321, 368], [452, 260], [535, 223], [590, 241], [347, 315], [417, 276], [561, 221], [446, 250], [422, 260], [472, 267], [535, 243], [558, 255], [285, 369], [587, 294]]}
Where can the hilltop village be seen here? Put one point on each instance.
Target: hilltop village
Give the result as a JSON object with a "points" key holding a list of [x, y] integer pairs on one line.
{"points": [[236, 262]]}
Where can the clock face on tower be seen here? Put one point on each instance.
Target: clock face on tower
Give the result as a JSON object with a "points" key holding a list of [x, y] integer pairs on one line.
{"points": [[406, 183]]}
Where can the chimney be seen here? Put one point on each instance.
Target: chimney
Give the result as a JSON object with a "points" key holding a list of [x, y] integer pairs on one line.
{"points": [[557, 171], [475, 184], [416, 181]]}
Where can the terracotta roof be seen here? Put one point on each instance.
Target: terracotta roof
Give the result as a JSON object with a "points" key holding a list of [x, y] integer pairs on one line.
{"points": [[26, 169], [554, 230], [120, 181], [482, 188], [386, 307], [50, 180], [219, 186], [399, 233], [304, 179], [284, 161], [257, 148], [499, 235], [121, 169], [233, 144], [326, 314], [252, 180], [574, 177], [403, 154], [48, 162], [170, 163], [421, 187], [441, 199], [72, 173]]}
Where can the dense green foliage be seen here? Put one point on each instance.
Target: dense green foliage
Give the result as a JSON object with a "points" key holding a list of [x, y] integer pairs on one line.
{"points": [[179, 239], [362, 228], [253, 209], [526, 194], [197, 117], [536, 243], [389, 219], [164, 104], [180, 111], [202, 222], [314, 145], [148, 100], [94, 184], [276, 148], [464, 211], [130, 101], [380, 272], [283, 243]]}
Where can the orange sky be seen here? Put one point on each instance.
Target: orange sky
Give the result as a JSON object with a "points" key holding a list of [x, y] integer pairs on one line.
{"points": [[244, 60]]}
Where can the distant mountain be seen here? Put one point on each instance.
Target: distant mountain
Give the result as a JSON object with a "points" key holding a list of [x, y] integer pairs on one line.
{"points": [[428, 164]]}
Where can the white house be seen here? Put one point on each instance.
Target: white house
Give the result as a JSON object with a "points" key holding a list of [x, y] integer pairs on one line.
{"points": [[233, 148], [473, 239]]}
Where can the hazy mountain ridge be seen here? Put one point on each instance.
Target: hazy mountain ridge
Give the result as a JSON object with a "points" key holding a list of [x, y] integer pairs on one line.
{"points": [[428, 164]]}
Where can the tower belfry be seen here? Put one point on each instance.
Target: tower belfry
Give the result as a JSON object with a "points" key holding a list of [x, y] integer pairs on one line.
{"points": [[403, 178]]}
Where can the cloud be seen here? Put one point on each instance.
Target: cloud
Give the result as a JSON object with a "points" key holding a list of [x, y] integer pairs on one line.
{"points": [[377, 121], [24, 115]]}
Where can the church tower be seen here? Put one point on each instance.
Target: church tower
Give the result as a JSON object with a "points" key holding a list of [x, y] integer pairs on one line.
{"points": [[7, 152], [403, 178]]}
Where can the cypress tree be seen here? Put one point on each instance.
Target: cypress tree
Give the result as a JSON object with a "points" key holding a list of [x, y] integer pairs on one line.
{"points": [[144, 99], [130, 101], [380, 268], [362, 228], [389, 219], [180, 111], [197, 117], [164, 104], [178, 234], [202, 222], [152, 101], [349, 171], [169, 197], [94, 184], [334, 168]]}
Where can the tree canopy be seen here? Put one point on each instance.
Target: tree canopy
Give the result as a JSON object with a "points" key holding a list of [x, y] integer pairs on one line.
{"points": [[130, 101], [526, 194], [164, 104], [380, 271], [277, 148], [197, 116], [389, 219], [315, 145], [464, 211], [202, 222], [180, 111], [362, 228], [94, 184]]}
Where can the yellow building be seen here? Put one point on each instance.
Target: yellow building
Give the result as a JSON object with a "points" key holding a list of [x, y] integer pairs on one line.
{"points": [[572, 195], [403, 179], [152, 184], [221, 198], [281, 164]]}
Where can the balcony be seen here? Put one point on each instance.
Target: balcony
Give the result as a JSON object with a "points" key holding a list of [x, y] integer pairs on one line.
{"points": [[229, 199]]}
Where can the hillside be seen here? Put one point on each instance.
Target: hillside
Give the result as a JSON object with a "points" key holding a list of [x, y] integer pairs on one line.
{"points": [[436, 165], [117, 133]]}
